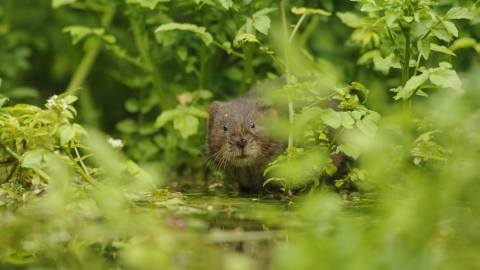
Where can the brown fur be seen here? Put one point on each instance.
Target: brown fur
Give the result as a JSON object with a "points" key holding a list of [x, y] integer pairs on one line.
{"points": [[243, 151]]}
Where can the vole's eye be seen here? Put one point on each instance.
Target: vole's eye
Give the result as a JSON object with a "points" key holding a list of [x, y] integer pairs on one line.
{"points": [[225, 128], [252, 125]]}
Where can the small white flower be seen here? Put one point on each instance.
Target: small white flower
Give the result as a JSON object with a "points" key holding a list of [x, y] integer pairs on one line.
{"points": [[116, 143], [47, 111], [64, 104]]}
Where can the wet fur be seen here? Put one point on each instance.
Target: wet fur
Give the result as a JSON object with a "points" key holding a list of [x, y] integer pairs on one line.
{"points": [[243, 152]]}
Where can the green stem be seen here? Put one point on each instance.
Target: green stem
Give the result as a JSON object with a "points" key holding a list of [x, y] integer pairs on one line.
{"points": [[40, 173], [309, 30], [332, 143], [89, 58], [286, 48], [84, 175], [406, 136], [228, 50], [141, 42], [248, 63], [297, 26]]}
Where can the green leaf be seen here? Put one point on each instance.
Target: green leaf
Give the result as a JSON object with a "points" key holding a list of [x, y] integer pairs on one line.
{"points": [[310, 11], [463, 43], [303, 118], [263, 12], [198, 30], [370, 7], [390, 17], [440, 32], [442, 49], [31, 158], [367, 127], [244, 38], [166, 116], [349, 149], [262, 24], [424, 48], [186, 124], [127, 126], [387, 48], [350, 19], [346, 120], [413, 83], [450, 28], [458, 13], [78, 32], [67, 133], [58, 3], [226, 4], [331, 118], [446, 78]]}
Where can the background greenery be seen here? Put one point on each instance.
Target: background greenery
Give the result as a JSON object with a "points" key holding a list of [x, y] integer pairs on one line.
{"points": [[423, 215]]}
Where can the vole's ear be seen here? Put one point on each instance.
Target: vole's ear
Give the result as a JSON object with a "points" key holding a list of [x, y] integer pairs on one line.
{"points": [[215, 106]]}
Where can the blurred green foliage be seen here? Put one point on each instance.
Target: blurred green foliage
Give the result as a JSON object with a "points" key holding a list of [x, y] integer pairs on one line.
{"points": [[145, 71]]}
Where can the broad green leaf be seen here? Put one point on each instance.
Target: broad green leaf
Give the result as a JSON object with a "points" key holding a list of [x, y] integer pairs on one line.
{"points": [[303, 118], [226, 4], [350, 19], [442, 49], [370, 7], [166, 116], [458, 13], [263, 12], [450, 28], [440, 32], [349, 149], [346, 120], [58, 3], [390, 17], [67, 133], [198, 30], [387, 48], [310, 11], [367, 127], [127, 126], [412, 84], [69, 99], [262, 24], [331, 118], [447, 78], [463, 43], [373, 116], [195, 111], [31, 158], [424, 48], [186, 124]]}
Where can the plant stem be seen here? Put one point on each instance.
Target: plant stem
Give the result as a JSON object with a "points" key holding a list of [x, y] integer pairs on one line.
{"points": [[286, 48], [141, 41], [89, 58], [297, 26], [332, 143], [229, 51], [406, 136]]}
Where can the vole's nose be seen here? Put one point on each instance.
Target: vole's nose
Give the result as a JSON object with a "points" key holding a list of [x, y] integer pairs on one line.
{"points": [[241, 143]]}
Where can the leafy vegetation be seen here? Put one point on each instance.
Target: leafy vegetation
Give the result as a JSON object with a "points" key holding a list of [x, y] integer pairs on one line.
{"points": [[145, 72]]}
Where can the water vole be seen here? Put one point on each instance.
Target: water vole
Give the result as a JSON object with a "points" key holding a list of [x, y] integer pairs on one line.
{"points": [[240, 142]]}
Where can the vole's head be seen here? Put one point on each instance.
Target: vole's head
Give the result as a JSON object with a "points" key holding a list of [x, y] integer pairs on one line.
{"points": [[238, 134]]}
